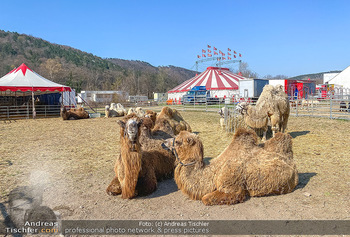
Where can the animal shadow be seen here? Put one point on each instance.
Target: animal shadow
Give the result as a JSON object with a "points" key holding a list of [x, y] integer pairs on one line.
{"points": [[297, 134], [7, 223], [165, 187], [304, 178]]}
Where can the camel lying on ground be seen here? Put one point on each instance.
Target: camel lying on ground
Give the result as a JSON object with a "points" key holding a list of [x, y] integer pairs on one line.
{"points": [[137, 169], [243, 169], [174, 119], [272, 105], [114, 110], [73, 114]]}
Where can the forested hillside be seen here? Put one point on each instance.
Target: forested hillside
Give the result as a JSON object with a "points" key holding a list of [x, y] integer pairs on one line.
{"points": [[85, 71]]}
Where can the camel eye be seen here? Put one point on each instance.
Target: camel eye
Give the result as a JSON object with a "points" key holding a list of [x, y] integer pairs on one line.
{"points": [[178, 143]]}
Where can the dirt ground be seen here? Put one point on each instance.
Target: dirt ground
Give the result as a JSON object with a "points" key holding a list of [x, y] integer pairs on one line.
{"points": [[73, 161]]}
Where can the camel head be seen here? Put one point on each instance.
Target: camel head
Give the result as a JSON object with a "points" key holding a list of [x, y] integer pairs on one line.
{"points": [[242, 107], [187, 148], [131, 128]]}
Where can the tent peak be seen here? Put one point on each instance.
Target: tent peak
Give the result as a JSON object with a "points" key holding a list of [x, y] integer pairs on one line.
{"points": [[24, 69]]}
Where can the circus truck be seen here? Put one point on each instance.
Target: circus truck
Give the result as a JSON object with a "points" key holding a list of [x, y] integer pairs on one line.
{"points": [[200, 95]]}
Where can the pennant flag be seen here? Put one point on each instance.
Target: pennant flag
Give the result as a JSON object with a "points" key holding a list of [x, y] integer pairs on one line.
{"points": [[209, 55], [223, 58], [215, 53], [223, 54], [229, 49], [203, 51], [203, 55], [228, 53], [240, 55], [234, 52], [220, 51], [198, 56], [209, 51], [215, 48], [229, 58], [209, 46], [234, 56], [240, 73]]}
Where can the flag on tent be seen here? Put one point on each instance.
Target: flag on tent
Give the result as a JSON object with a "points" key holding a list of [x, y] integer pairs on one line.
{"points": [[223, 54], [240, 55], [228, 53], [209, 51], [203, 51], [223, 58], [209, 55], [229, 49], [220, 51], [215, 53], [198, 56], [229, 58], [234, 56], [234, 52], [203, 55], [215, 48], [209, 46]]}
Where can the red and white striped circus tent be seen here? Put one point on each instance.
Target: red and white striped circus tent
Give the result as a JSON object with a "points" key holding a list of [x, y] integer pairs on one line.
{"points": [[221, 82]]}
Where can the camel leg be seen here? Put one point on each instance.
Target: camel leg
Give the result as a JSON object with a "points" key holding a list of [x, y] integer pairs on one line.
{"points": [[147, 184], [114, 187], [220, 198], [275, 119]]}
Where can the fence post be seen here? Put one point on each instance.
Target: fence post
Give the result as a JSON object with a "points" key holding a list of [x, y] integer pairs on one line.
{"points": [[296, 107], [27, 110], [45, 110], [8, 112], [330, 106]]}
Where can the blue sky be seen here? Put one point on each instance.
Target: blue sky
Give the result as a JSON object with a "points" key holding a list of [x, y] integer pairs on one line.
{"points": [[274, 37]]}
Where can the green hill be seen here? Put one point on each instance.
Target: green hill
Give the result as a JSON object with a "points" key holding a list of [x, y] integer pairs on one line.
{"points": [[85, 71]]}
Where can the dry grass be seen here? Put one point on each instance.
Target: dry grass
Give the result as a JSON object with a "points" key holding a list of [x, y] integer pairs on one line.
{"points": [[77, 153]]}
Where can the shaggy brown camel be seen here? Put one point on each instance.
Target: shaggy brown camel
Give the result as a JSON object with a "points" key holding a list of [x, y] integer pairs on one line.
{"points": [[137, 169], [73, 114], [273, 105], [243, 168], [174, 119]]}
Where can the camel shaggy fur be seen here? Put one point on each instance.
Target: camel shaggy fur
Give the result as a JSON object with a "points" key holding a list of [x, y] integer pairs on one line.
{"points": [[174, 119], [272, 105], [137, 169], [73, 114], [243, 169]]}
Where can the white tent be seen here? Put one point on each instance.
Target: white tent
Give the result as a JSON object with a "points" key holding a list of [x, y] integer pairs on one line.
{"points": [[221, 82], [23, 79], [342, 79], [23, 82]]}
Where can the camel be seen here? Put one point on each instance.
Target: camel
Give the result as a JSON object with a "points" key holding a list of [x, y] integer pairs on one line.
{"points": [[272, 106], [137, 169], [73, 114], [114, 110], [152, 115], [243, 169], [172, 117], [138, 111]]}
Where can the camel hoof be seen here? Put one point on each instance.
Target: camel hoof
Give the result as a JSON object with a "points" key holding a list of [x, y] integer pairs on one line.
{"points": [[110, 193]]}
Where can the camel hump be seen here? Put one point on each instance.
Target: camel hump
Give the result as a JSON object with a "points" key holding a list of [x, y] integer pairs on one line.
{"points": [[245, 136], [280, 143]]}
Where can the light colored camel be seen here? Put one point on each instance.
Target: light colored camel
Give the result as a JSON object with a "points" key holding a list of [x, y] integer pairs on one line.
{"points": [[243, 169], [272, 105]]}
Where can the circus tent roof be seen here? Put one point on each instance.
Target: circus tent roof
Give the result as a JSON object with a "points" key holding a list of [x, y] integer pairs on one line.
{"points": [[214, 78], [25, 79], [342, 78]]}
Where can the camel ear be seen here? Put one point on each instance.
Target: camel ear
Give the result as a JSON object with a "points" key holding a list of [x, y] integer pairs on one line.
{"points": [[121, 123], [190, 141]]}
